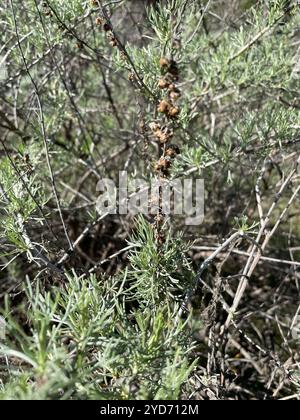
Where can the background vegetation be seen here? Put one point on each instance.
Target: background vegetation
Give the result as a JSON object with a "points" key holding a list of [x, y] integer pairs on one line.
{"points": [[119, 307]]}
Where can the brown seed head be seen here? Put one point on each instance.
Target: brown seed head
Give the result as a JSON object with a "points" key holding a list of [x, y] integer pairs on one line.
{"points": [[107, 27], [163, 164], [164, 135], [113, 42], [164, 107], [131, 77], [154, 127], [173, 112], [163, 84], [164, 63], [175, 95], [172, 151], [172, 87]]}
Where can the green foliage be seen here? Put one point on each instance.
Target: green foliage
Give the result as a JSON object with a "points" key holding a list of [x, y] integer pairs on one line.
{"points": [[18, 203], [158, 273], [83, 343]]}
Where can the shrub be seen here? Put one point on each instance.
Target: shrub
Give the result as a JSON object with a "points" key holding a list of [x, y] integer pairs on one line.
{"points": [[102, 306]]}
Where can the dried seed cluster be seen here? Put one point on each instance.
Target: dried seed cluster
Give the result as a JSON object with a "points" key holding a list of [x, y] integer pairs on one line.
{"points": [[107, 28], [165, 162], [170, 76], [164, 131], [167, 106], [99, 21]]}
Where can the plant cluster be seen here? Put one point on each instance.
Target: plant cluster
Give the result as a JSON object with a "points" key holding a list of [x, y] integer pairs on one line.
{"points": [[99, 306]]}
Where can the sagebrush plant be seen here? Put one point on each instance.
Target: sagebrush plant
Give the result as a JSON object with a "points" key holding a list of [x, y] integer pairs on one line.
{"points": [[120, 307], [84, 343]]}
